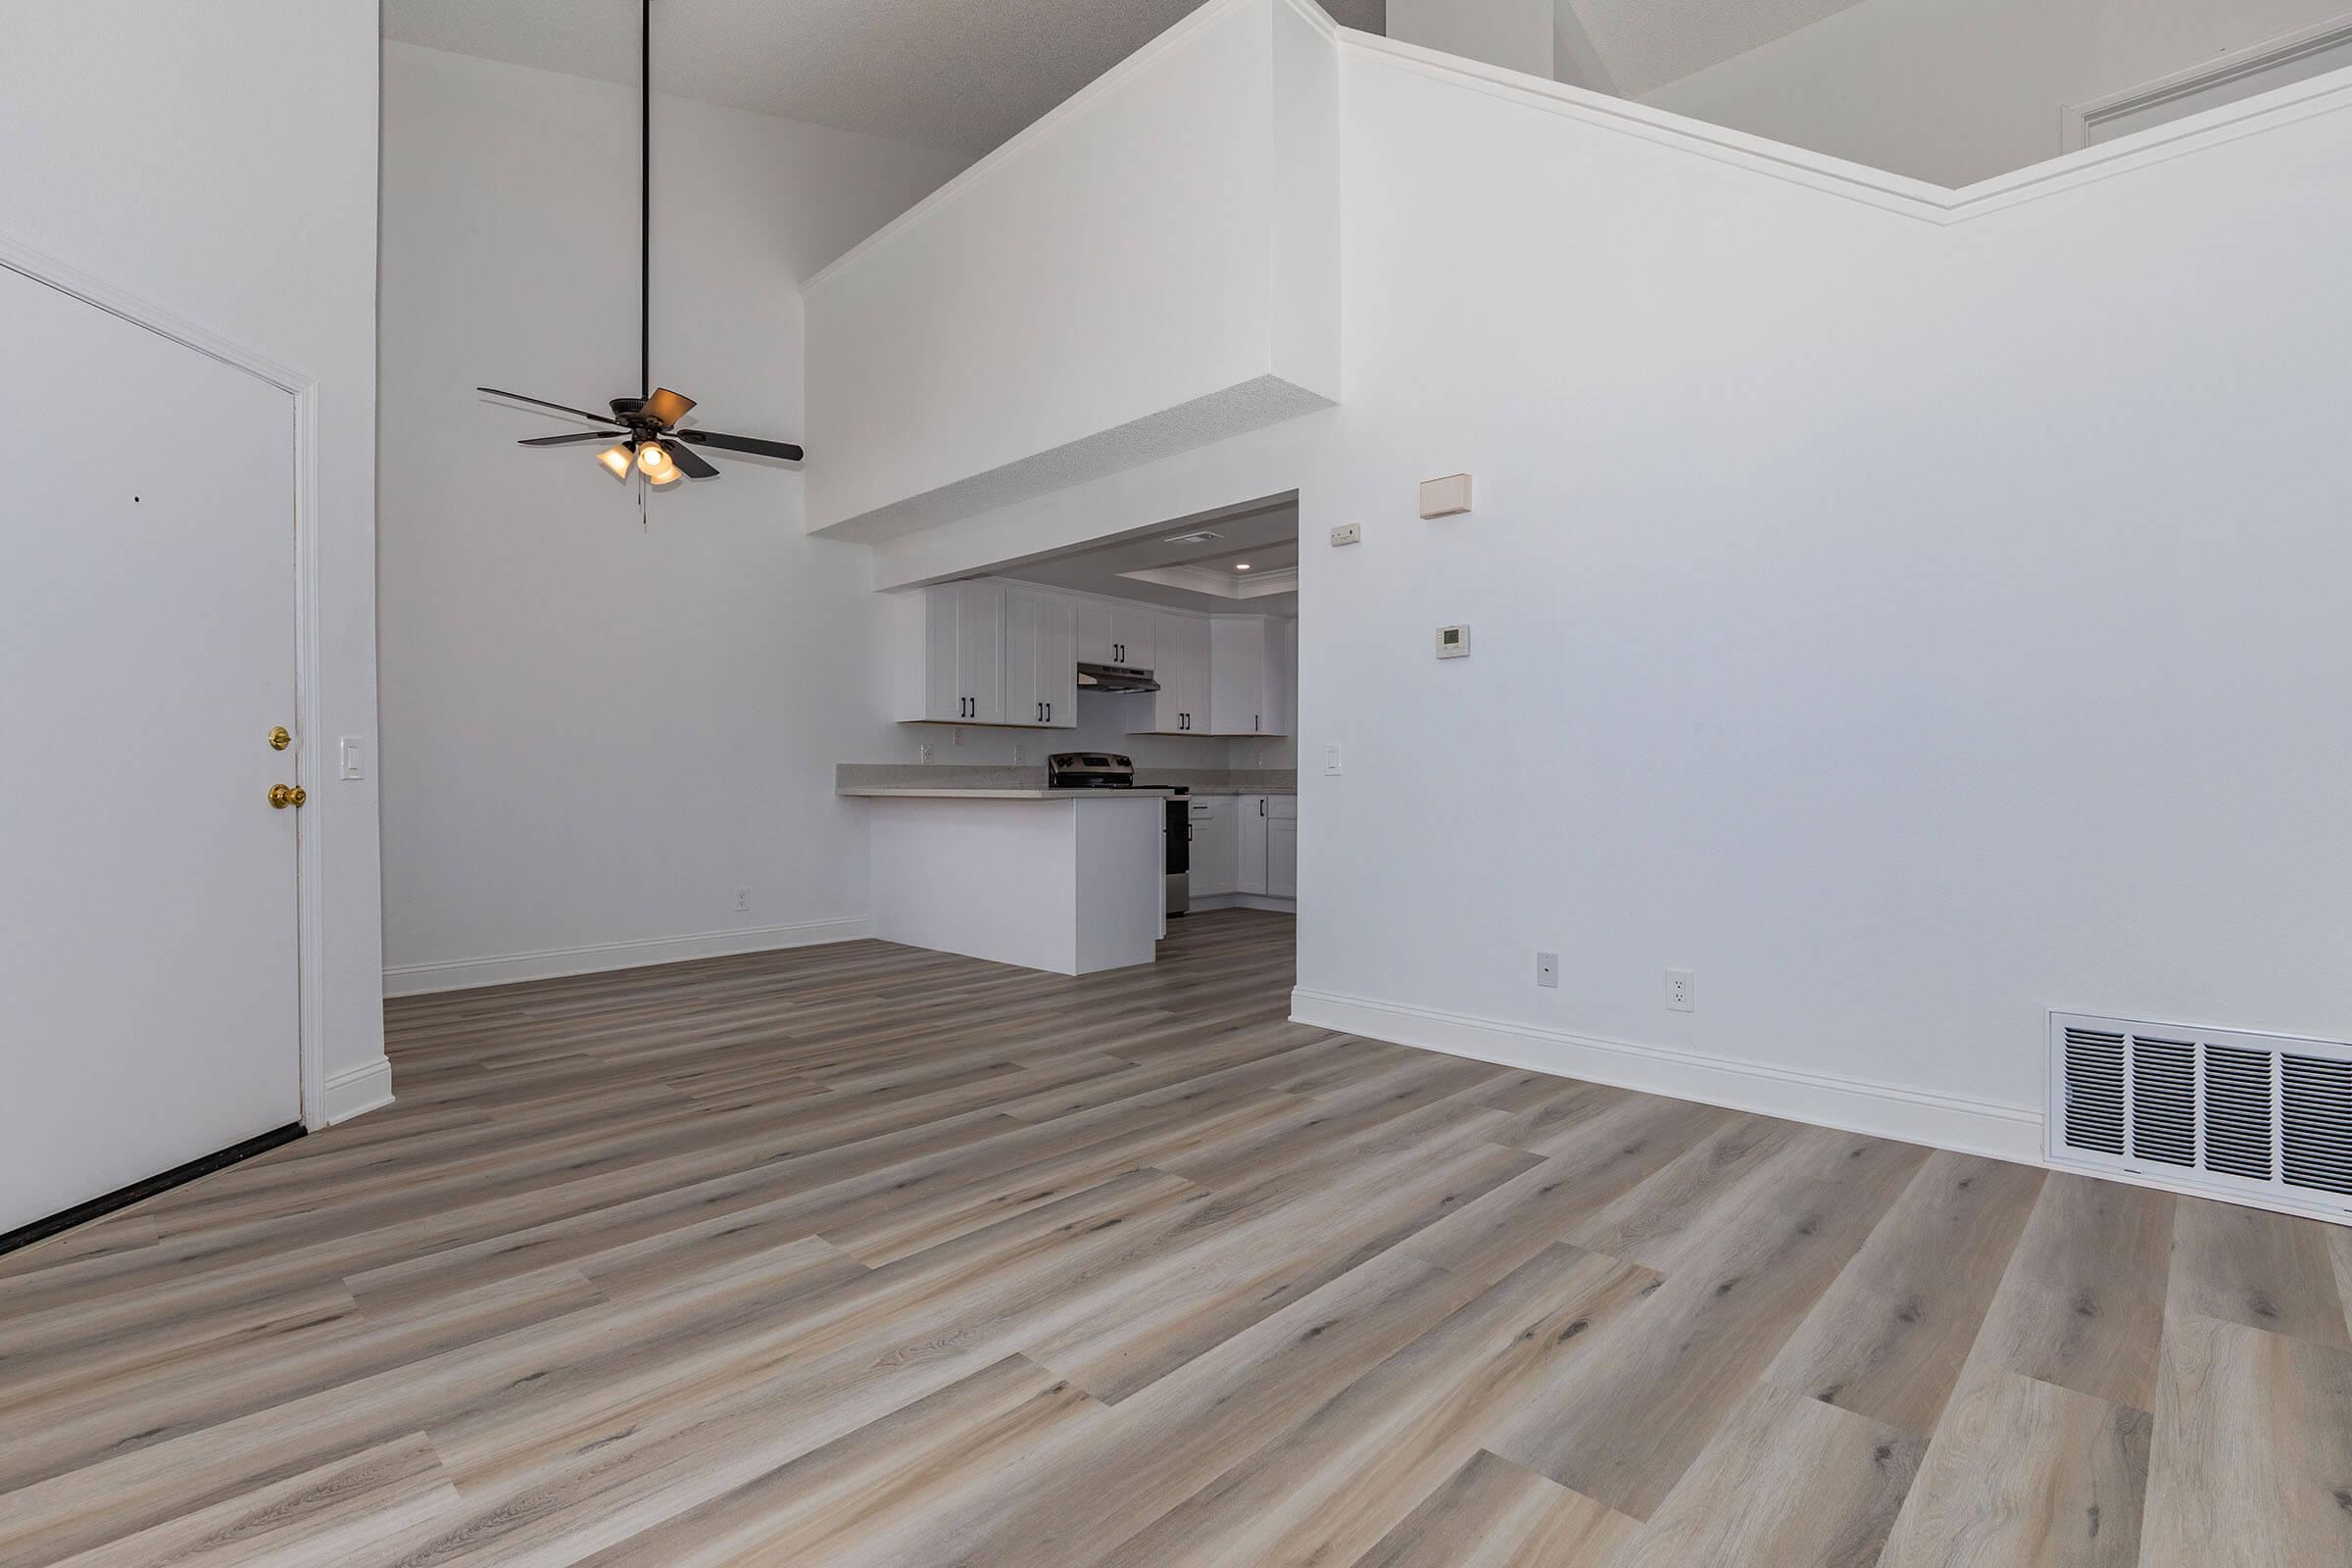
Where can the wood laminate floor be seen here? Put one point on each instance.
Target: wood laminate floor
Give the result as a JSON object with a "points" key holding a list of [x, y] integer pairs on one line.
{"points": [[867, 1256]]}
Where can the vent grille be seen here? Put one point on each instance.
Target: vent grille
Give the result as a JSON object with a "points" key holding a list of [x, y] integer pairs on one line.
{"points": [[2315, 1103], [2239, 1131], [2215, 1109], [2094, 1091], [2163, 1101]]}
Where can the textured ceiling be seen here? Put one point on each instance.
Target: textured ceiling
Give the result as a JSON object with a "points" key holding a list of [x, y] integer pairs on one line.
{"points": [[1643, 44], [1267, 540], [964, 75]]}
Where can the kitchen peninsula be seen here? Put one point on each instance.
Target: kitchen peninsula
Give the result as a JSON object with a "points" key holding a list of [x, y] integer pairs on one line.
{"points": [[1066, 880]]}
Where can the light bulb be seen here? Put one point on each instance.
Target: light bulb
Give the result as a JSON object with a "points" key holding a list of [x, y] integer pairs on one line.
{"points": [[617, 460], [653, 460], [1240, 566]]}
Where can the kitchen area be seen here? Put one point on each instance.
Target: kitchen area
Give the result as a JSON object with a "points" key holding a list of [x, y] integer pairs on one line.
{"points": [[1096, 744]]}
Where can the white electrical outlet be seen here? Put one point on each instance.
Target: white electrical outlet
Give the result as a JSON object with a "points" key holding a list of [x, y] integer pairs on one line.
{"points": [[1682, 990], [1548, 970], [1347, 533], [743, 901], [926, 751]]}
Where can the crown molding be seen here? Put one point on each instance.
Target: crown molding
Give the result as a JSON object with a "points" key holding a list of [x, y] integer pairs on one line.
{"points": [[1898, 194]]}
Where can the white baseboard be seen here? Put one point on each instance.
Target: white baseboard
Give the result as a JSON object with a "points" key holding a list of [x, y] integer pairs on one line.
{"points": [[1855, 1105], [1242, 901], [355, 1091], [467, 974]]}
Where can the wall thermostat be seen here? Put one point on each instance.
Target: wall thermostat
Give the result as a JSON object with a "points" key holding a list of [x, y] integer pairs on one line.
{"points": [[1454, 641], [1446, 497]]}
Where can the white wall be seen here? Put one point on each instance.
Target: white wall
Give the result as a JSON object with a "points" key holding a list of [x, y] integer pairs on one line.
{"points": [[1909, 616], [1955, 91], [1160, 249], [219, 162], [595, 732], [1906, 628]]}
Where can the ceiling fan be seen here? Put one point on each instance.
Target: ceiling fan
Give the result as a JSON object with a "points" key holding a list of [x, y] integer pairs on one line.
{"points": [[644, 429]]}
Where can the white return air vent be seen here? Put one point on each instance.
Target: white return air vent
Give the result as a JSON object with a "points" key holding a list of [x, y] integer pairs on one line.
{"points": [[2265, 1116]]}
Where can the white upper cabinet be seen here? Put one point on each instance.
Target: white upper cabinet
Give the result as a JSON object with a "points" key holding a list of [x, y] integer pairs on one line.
{"points": [[1095, 640], [993, 652], [1134, 630], [952, 655], [1041, 660], [1179, 663], [1115, 634], [1249, 666]]}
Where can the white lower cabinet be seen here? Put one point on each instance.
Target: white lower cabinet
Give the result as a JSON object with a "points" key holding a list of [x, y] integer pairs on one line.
{"points": [[1265, 857], [1282, 846], [1249, 864], [1216, 845]]}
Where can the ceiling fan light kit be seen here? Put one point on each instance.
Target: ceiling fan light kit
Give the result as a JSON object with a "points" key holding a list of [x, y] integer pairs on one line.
{"points": [[649, 442]]}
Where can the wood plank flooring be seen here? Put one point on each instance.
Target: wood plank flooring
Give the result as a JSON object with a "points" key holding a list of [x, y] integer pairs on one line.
{"points": [[867, 1256]]}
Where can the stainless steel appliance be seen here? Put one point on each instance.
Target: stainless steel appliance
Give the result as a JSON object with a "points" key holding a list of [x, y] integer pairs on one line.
{"points": [[1114, 678], [1108, 770]]}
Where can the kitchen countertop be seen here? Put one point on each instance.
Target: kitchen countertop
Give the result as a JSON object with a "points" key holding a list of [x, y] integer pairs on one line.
{"points": [[1199, 792], [889, 793]]}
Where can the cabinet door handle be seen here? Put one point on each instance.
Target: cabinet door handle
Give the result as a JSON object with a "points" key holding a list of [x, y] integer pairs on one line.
{"points": [[1261, 805]]}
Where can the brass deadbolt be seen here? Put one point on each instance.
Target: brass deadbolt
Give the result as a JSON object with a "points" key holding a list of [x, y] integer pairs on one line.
{"points": [[279, 740]]}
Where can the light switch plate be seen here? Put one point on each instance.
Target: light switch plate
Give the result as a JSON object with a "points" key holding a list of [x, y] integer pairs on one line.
{"points": [[353, 757], [1454, 641], [1347, 533], [1446, 498], [1331, 757]]}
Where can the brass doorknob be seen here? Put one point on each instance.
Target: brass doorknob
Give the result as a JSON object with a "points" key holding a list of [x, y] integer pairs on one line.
{"points": [[279, 740], [282, 796]]}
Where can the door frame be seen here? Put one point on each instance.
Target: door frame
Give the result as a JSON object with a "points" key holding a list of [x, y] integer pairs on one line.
{"points": [[302, 395]]}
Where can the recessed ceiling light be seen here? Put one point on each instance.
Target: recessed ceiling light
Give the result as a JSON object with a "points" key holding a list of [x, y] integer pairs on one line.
{"points": [[1240, 566], [1200, 538]]}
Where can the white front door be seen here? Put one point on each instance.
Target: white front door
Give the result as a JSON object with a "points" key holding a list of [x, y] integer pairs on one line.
{"points": [[149, 972]]}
